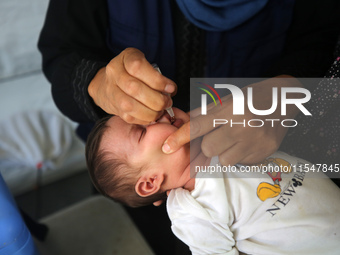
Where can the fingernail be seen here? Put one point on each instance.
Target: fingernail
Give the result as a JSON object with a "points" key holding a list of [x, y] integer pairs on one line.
{"points": [[166, 148], [169, 88]]}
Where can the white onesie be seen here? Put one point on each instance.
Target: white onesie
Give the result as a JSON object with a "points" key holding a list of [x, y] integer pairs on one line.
{"points": [[290, 213]]}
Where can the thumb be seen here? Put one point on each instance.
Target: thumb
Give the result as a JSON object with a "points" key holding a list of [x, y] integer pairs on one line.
{"points": [[177, 139]]}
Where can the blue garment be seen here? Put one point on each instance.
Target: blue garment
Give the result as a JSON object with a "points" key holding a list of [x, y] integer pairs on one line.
{"points": [[145, 25], [246, 50], [15, 237], [219, 15]]}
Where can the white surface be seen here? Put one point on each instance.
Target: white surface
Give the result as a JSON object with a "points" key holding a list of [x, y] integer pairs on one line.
{"points": [[25, 93], [40, 140], [20, 25], [32, 130]]}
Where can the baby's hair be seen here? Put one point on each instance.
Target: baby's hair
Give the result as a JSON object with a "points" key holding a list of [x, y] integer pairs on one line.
{"points": [[111, 175]]}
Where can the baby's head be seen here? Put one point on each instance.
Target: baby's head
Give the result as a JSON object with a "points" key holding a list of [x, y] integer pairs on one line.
{"points": [[126, 162]]}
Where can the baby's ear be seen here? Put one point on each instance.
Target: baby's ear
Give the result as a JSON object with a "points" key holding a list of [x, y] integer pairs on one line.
{"points": [[149, 185]]}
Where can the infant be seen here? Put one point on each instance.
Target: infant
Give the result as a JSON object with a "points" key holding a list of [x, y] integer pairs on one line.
{"points": [[126, 162], [289, 212]]}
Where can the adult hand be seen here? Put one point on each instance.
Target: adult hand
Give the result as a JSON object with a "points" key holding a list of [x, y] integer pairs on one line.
{"points": [[130, 87], [238, 144]]}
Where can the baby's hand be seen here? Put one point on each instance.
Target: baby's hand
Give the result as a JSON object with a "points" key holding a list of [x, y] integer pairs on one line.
{"points": [[179, 114], [159, 202]]}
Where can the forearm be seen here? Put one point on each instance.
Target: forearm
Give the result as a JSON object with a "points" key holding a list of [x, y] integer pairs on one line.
{"points": [[70, 93], [72, 55]]}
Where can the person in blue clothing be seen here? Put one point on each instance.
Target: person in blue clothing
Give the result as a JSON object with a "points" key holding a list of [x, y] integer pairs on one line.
{"points": [[97, 55]]}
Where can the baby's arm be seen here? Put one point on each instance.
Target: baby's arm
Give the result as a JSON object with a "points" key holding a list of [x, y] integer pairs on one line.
{"points": [[197, 228]]}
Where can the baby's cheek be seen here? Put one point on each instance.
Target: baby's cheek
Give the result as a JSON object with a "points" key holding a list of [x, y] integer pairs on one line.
{"points": [[183, 154], [161, 133]]}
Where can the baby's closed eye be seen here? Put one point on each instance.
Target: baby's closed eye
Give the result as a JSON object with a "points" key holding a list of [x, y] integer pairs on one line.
{"points": [[142, 133]]}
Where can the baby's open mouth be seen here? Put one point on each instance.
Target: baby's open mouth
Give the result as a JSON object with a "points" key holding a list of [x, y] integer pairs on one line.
{"points": [[167, 119], [178, 123]]}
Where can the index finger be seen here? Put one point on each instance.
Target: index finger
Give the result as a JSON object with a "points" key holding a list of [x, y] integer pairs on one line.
{"points": [[177, 139], [136, 65], [196, 127], [201, 125]]}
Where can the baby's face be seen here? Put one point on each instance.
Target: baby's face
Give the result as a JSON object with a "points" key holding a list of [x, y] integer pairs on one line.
{"points": [[142, 146]]}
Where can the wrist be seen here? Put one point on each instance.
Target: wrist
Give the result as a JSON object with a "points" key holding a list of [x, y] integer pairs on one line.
{"points": [[95, 83]]}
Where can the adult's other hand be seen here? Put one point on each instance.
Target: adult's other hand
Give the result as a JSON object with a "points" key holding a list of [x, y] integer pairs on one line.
{"points": [[239, 143]]}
